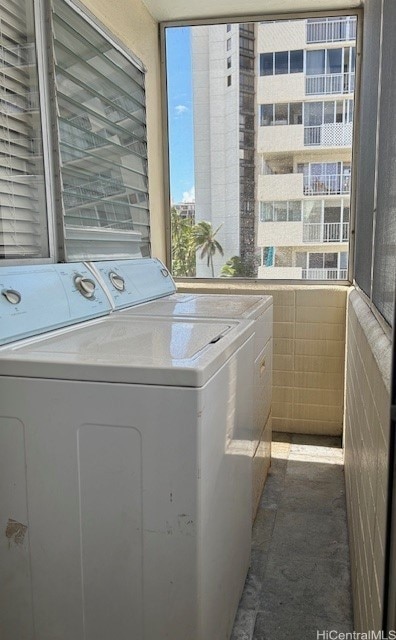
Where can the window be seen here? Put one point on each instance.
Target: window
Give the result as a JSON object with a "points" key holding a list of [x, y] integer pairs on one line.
{"points": [[328, 112], [229, 62], [329, 61], [296, 61], [266, 194], [288, 211], [266, 64], [281, 113], [228, 44], [228, 81], [98, 113], [102, 142], [295, 113], [23, 219], [228, 27], [281, 62]]}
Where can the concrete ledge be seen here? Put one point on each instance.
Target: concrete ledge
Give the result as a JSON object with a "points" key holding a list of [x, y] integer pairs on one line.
{"points": [[380, 344]]}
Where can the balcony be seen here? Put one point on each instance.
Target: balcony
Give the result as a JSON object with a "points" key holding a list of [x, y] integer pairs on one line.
{"points": [[317, 233], [289, 185], [280, 139], [324, 274], [329, 135], [330, 83], [281, 88], [327, 184], [331, 30], [280, 273]]}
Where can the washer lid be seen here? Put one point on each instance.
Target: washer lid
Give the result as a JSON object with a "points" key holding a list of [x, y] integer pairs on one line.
{"points": [[177, 352], [201, 305]]}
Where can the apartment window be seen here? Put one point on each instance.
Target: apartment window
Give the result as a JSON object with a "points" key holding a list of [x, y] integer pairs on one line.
{"points": [[228, 44], [288, 211], [99, 116], [246, 44], [281, 62], [228, 81], [228, 28], [23, 205], [103, 157], [280, 113], [244, 176], [266, 64], [229, 62], [329, 61], [295, 113], [328, 112], [297, 61]]}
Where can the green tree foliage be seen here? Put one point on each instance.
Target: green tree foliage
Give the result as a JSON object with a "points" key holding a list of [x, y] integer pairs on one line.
{"points": [[183, 245], [206, 241], [235, 267]]}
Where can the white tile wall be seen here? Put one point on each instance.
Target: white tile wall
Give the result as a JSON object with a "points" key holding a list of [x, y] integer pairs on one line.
{"points": [[366, 455], [309, 353]]}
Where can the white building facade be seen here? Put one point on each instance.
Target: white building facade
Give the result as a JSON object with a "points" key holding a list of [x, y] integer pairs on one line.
{"points": [[304, 145], [273, 120], [215, 80]]}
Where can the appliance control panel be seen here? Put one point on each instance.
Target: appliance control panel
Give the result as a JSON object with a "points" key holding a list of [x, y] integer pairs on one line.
{"points": [[39, 298], [134, 281]]}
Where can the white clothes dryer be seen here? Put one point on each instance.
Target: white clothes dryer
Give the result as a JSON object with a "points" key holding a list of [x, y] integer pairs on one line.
{"points": [[125, 452], [144, 287]]}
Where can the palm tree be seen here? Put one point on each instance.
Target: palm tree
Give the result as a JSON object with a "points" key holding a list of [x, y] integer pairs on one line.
{"points": [[205, 240], [183, 245]]}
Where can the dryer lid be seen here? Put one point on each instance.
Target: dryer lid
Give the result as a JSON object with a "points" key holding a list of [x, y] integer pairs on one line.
{"points": [[174, 352]]}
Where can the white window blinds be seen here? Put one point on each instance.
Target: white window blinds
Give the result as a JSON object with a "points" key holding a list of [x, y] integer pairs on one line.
{"points": [[23, 219], [100, 102]]}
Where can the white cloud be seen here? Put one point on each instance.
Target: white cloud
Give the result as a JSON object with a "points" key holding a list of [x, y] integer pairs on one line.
{"points": [[189, 196], [180, 109]]}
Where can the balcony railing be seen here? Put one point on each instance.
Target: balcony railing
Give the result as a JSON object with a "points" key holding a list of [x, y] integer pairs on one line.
{"points": [[324, 274], [336, 134], [316, 232], [328, 184], [329, 83], [331, 30]]}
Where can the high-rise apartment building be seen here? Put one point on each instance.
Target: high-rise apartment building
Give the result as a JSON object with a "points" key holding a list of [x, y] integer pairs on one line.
{"points": [[273, 118]]}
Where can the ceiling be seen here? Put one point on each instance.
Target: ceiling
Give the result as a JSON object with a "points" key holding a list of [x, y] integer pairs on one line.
{"points": [[171, 10]]}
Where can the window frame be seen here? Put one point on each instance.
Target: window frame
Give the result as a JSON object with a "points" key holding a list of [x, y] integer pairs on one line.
{"points": [[270, 17], [274, 54]]}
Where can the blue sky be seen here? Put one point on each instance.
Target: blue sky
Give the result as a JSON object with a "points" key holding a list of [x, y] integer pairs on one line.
{"points": [[181, 142]]}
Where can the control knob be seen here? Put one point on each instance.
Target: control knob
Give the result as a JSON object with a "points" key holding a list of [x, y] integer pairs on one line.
{"points": [[85, 286], [12, 296]]}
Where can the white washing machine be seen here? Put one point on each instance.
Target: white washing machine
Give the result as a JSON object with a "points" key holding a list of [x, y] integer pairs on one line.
{"points": [[125, 456], [144, 287]]}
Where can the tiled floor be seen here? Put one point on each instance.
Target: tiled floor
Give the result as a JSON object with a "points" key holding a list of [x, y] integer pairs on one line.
{"points": [[299, 580]]}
